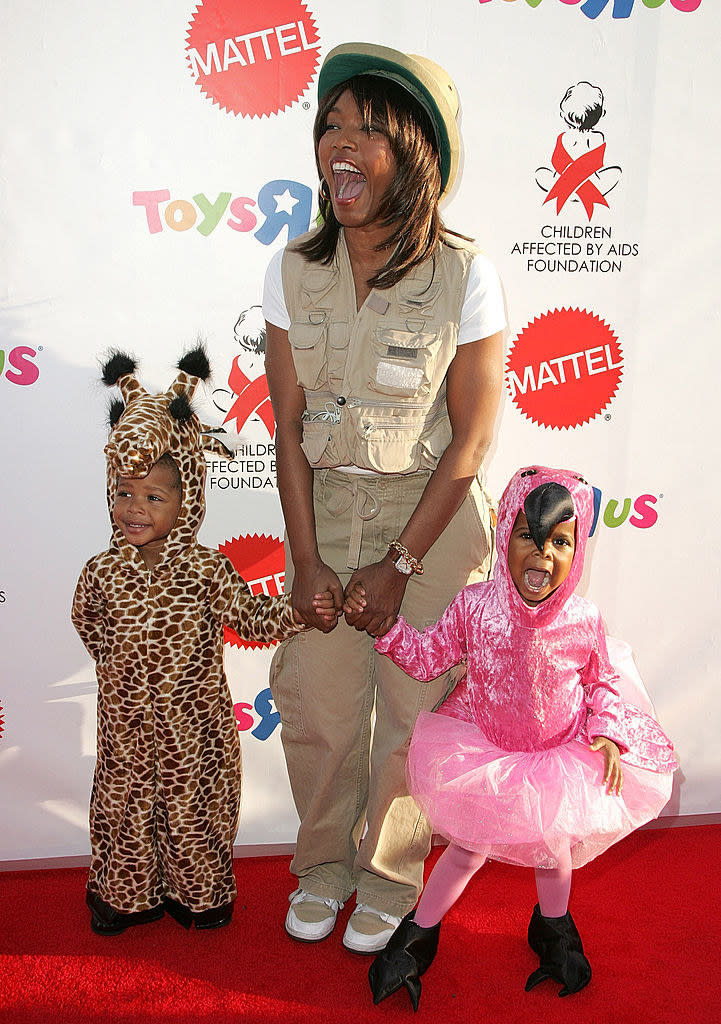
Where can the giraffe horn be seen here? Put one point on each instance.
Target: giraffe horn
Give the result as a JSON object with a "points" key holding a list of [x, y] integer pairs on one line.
{"points": [[184, 384], [119, 368]]}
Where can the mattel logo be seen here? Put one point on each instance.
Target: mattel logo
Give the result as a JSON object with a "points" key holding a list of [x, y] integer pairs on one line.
{"points": [[17, 365], [564, 368], [252, 59]]}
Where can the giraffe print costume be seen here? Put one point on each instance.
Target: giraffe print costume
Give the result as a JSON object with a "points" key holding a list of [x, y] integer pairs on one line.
{"points": [[166, 793]]}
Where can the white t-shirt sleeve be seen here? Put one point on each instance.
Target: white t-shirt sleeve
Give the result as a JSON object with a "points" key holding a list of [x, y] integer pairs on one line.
{"points": [[483, 311], [275, 310]]}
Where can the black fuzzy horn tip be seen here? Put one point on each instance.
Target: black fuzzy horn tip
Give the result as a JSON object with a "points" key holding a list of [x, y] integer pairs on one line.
{"points": [[196, 362], [179, 408], [116, 366], [115, 411]]}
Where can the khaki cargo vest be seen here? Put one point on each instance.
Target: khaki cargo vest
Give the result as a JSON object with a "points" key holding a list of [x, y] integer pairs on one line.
{"points": [[374, 378]]}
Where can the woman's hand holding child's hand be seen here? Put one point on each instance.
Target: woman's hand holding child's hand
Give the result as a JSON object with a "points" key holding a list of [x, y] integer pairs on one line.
{"points": [[373, 597], [612, 772], [354, 604], [313, 583], [324, 606], [354, 600]]}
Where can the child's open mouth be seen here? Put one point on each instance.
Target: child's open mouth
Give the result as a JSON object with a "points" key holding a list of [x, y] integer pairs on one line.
{"points": [[536, 579], [348, 182]]}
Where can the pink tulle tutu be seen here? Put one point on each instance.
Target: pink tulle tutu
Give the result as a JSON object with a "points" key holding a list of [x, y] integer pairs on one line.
{"points": [[524, 807]]}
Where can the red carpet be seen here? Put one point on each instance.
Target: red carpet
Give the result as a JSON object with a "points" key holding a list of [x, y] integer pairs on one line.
{"points": [[649, 913]]}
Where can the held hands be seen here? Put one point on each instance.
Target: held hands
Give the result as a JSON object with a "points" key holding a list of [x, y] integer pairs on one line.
{"points": [[612, 772], [354, 600], [373, 597], [324, 605], [317, 597]]}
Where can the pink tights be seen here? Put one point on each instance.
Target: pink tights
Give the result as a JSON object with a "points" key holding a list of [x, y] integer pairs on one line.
{"points": [[457, 866]]}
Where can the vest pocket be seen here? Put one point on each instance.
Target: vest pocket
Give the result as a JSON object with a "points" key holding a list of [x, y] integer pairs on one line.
{"points": [[308, 342], [390, 447], [402, 363], [316, 435]]}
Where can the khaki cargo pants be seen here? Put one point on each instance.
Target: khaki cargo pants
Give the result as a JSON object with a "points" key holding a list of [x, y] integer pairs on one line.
{"points": [[347, 765]]}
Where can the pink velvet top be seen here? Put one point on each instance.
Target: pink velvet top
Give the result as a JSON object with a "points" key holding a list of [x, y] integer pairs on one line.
{"points": [[536, 676]]}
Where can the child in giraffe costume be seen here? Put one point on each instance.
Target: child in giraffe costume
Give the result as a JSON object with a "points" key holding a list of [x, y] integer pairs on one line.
{"points": [[150, 610]]}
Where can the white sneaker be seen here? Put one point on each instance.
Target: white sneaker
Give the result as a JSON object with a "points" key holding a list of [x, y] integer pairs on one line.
{"points": [[311, 918], [369, 930]]}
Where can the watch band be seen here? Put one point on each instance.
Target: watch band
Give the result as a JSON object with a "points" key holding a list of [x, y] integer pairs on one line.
{"points": [[405, 562]]}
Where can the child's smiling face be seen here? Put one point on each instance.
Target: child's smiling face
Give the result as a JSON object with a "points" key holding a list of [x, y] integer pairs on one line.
{"points": [[536, 574], [146, 510]]}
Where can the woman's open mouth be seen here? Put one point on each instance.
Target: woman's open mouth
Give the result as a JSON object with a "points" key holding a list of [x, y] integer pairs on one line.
{"points": [[348, 182]]}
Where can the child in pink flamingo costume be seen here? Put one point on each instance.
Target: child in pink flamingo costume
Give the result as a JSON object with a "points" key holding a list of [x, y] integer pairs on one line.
{"points": [[535, 759]]}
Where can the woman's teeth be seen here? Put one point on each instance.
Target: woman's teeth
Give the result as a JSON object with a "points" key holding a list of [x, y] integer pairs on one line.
{"points": [[349, 182]]}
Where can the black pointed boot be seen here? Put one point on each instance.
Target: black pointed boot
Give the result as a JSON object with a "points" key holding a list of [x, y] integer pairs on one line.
{"points": [[410, 952], [560, 951]]}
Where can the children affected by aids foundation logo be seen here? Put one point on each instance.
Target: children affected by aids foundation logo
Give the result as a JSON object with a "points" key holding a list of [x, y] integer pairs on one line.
{"points": [[252, 59], [577, 185], [578, 173], [564, 368], [246, 395], [245, 402]]}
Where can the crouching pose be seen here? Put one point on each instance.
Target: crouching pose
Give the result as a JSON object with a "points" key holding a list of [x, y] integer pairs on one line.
{"points": [[535, 759], [150, 610]]}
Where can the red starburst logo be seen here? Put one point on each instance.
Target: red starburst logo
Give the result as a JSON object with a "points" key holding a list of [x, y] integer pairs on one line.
{"points": [[260, 560], [564, 368], [252, 59]]}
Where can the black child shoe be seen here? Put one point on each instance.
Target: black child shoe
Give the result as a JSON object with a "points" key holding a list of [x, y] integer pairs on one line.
{"points": [[216, 917], [106, 920], [409, 953], [560, 951]]}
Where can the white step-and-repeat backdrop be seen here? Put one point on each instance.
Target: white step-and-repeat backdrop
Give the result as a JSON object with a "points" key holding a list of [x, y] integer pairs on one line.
{"points": [[154, 156]]}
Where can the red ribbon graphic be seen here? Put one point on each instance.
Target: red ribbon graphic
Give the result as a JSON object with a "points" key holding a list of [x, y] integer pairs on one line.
{"points": [[252, 396], [573, 177]]}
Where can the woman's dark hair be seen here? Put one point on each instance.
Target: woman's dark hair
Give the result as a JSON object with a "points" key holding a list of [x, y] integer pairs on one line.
{"points": [[409, 207]]}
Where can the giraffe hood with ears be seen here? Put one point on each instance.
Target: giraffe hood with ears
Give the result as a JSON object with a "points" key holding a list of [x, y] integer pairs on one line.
{"points": [[145, 427]]}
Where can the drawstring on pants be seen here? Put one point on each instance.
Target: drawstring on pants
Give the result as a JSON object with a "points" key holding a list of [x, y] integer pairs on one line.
{"points": [[366, 507]]}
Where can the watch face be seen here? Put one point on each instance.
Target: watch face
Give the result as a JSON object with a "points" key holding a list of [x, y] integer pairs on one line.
{"points": [[403, 565]]}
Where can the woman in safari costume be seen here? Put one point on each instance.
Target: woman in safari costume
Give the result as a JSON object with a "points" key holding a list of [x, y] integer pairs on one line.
{"points": [[384, 360]]}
